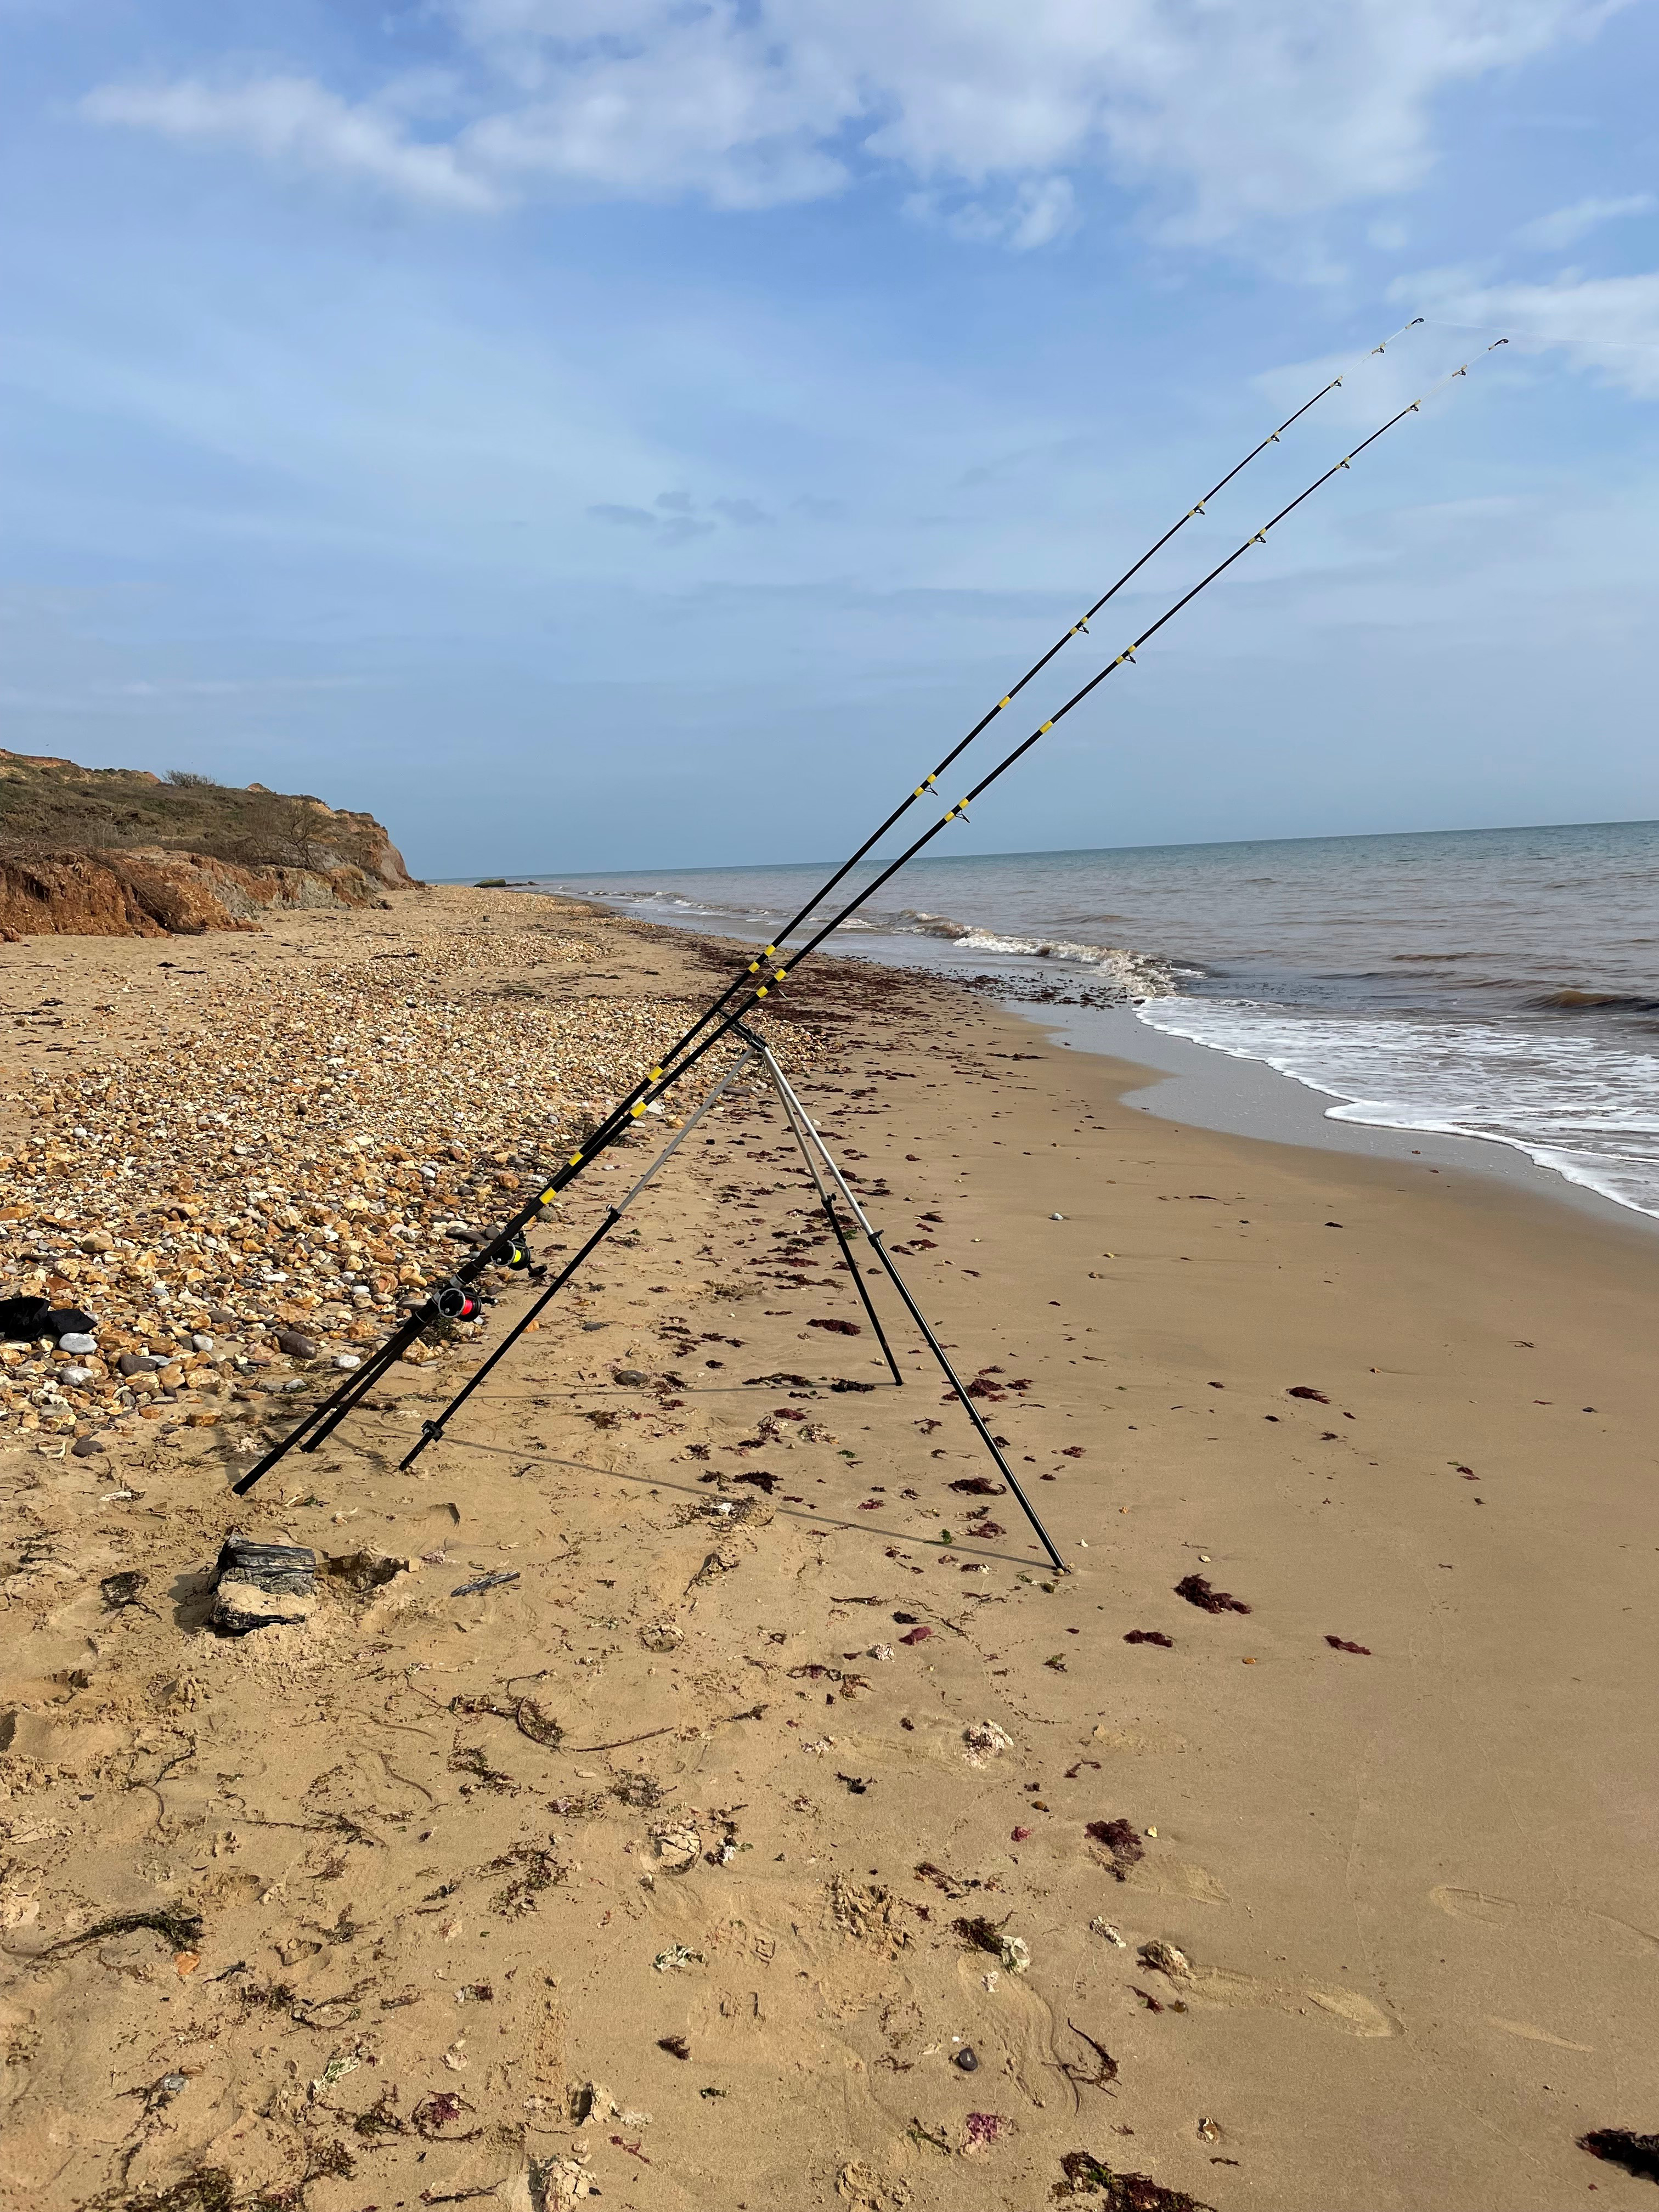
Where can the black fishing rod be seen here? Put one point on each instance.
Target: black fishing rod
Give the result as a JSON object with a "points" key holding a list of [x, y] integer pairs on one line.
{"points": [[662, 1077], [455, 1300], [1079, 628]]}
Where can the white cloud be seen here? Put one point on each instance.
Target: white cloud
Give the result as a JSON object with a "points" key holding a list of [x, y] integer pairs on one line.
{"points": [[1228, 111], [1606, 323], [294, 118], [1555, 233]]}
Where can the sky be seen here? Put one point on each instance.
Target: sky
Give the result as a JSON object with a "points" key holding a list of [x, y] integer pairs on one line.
{"points": [[648, 433]]}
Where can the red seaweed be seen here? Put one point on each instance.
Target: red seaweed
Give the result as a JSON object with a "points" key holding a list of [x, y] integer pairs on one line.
{"points": [[1119, 1839], [1197, 1591]]}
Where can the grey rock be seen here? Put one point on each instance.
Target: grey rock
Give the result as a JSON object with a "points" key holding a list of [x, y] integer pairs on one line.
{"points": [[76, 1341], [87, 1447], [139, 1363], [296, 1347], [285, 1569], [200, 1343]]}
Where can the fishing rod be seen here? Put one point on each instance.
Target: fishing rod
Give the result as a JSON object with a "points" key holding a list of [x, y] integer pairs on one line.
{"points": [[455, 1298], [662, 1077], [1079, 628], [432, 1431], [819, 1161]]}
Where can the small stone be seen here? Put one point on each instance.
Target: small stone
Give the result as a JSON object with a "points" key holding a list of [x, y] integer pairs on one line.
{"points": [[139, 1363], [76, 1377], [967, 2058], [77, 1341], [295, 1345], [347, 1359], [222, 1317], [200, 1343], [1164, 1958], [87, 1447]]}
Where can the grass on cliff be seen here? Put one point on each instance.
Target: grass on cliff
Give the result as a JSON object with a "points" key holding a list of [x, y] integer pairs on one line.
{"points": [[49, 807]]}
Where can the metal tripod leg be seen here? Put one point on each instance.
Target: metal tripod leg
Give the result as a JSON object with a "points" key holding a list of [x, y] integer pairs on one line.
{"points": [[834, 1219], [808, 1135]]}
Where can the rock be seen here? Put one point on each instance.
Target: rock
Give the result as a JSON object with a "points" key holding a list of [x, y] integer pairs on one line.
{"points": [[296, 1347], [239, 1607], [200, 1343], [87, 1447], [139, 1363], [1165, 1959], [347, 1359], [78, 1340], [629, 1375], [287, 1569], [222, 1317], [76, 1377]]}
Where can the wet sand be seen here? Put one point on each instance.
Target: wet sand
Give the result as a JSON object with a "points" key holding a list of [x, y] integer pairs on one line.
{"points": [[464, 1866]]}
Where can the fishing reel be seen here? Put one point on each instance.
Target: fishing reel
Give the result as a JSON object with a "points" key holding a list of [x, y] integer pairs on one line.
{"points": [[453, 1301], [514, 1255]]}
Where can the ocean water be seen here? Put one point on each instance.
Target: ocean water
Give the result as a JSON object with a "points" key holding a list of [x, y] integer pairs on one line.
{"points": [[1501, 984]]}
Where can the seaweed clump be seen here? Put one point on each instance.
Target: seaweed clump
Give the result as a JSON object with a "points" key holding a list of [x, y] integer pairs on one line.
{"points": [[1197, 1591], [1089, 2176], [1119, 1840], [1638, 2155]]}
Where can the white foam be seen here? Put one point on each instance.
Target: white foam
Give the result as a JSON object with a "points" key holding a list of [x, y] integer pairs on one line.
{"points": [[1578, 1106]]}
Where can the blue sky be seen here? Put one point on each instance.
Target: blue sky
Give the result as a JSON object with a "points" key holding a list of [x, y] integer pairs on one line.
{"points": [[599, 433]]}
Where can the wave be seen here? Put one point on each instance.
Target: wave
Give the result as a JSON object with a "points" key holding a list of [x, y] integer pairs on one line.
{"points": [[1572, 1104], [1594, 1002]]}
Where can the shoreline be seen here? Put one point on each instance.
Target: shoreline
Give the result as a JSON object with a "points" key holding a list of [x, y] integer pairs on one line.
{"points": [[1233, 1094], [777, 1739]]}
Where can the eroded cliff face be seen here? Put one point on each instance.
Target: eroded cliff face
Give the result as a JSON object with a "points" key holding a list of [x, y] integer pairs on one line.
{"points": [[124, 852], [160, 894]]}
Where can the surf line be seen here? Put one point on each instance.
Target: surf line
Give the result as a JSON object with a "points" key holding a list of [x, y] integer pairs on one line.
{"points": [[455, 1299]]}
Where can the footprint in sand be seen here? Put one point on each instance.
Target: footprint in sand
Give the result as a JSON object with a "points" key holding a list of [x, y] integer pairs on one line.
{"points": [[1216, 1985], [1535, 2034], [1491, 1911], [1177, 1878]]}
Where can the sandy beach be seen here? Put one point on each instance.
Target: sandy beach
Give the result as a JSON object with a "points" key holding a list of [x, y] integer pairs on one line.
{"points": [[785, 1834]]}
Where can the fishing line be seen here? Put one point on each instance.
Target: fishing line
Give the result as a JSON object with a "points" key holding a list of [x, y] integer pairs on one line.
{"points": [[685, 1055]]}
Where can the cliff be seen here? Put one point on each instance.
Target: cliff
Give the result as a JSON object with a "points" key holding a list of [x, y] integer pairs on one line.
{"points": [[123, 852]]}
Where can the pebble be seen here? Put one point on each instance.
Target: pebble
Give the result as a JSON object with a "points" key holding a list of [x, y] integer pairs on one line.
{"points": [[280, 1173], [77, 1341]]}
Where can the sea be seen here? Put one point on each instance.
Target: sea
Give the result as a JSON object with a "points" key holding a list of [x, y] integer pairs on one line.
{"points": [[1498, 984]]}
